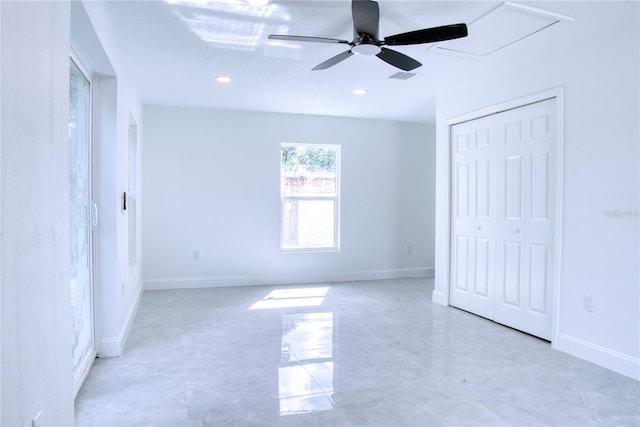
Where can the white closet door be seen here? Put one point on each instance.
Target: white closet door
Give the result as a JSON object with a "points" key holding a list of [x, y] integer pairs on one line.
{"points": [[524, 225], [502, 205], [473, 211]]}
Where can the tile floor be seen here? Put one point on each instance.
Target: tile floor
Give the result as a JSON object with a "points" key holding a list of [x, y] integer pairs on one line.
{"points": [[375, 353]]}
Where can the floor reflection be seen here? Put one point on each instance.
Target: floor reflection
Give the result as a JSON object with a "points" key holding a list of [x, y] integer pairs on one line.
{"points": [[305, 375], [283, 298]]}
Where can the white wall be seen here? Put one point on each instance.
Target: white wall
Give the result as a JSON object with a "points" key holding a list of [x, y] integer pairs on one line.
{"points": [[0, 215], [36, 323], [118, 286], [600, 253], [211, 184]]}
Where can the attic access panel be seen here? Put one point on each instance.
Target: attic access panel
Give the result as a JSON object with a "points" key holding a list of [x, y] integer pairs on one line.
{"points": [[503, 26]]}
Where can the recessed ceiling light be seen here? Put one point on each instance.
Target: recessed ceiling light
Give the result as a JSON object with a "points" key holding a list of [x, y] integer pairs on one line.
{"points": [[359, 92], [223, 79], [259, 2]]}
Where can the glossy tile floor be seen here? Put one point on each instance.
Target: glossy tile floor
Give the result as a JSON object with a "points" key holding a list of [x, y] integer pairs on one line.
{"points": [[375, 353]]}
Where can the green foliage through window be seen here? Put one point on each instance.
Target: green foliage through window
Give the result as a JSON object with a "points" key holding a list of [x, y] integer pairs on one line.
{"points": [[312, 159]]}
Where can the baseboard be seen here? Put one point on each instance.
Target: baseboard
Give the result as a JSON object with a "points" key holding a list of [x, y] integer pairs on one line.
{"points": [[84, 371], [126, 328], [109, 347], [112, 347], [607, 358], [229, 281], [439, 298]]}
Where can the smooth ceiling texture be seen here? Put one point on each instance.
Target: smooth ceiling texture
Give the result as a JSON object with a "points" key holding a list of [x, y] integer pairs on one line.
{"points": [[174, 49]]}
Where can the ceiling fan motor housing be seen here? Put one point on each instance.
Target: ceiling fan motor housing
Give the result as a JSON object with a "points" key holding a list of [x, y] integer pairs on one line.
{"points": [[366, 45]]}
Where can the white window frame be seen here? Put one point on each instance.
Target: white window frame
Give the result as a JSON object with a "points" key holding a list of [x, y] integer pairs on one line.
{"points": [[335, 198], [81, 375]]}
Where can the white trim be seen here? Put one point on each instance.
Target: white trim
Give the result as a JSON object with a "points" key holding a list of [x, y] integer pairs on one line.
{"points": [[111, 347], [128, 323], [78, 380], [442, 296], [610, 359], [441, 49], [557, 238], [1, 246], [504, 106], [77, 59], [84, 370], [442, 256], [132, 214], [538, 12], [231, 281]]}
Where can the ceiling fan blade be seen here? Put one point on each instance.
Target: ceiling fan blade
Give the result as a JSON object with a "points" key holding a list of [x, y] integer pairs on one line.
{"points": [[428, 35], [366, 17], [305, 39], [333, 61], [397, 59]]}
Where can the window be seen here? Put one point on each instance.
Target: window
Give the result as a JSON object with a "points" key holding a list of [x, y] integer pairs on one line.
{"points": [[82, 221], [310, 191]]}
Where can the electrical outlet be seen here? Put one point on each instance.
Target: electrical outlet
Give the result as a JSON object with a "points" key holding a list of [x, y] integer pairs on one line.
{"points": [[588, 303], [196, 255], [408, 249]]}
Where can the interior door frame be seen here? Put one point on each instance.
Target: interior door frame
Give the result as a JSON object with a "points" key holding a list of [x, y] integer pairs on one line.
{"points": [[75, 58], [445, 265]]}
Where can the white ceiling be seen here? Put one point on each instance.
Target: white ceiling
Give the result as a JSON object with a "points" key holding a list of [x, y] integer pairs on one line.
{"points": [[174, 49]]}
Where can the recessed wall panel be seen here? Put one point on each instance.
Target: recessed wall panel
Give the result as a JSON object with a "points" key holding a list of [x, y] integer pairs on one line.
{"points": [[462, 190], [540, 127], [513, 187], [513, 132], [462, 263], [462, 142], [540, 186], [538, 278], [481, 285], [512, 273], [482, 189], [482, 138]]}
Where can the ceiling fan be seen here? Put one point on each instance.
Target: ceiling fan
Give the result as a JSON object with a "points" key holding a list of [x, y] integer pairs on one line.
{"points": [[366, 20]]}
